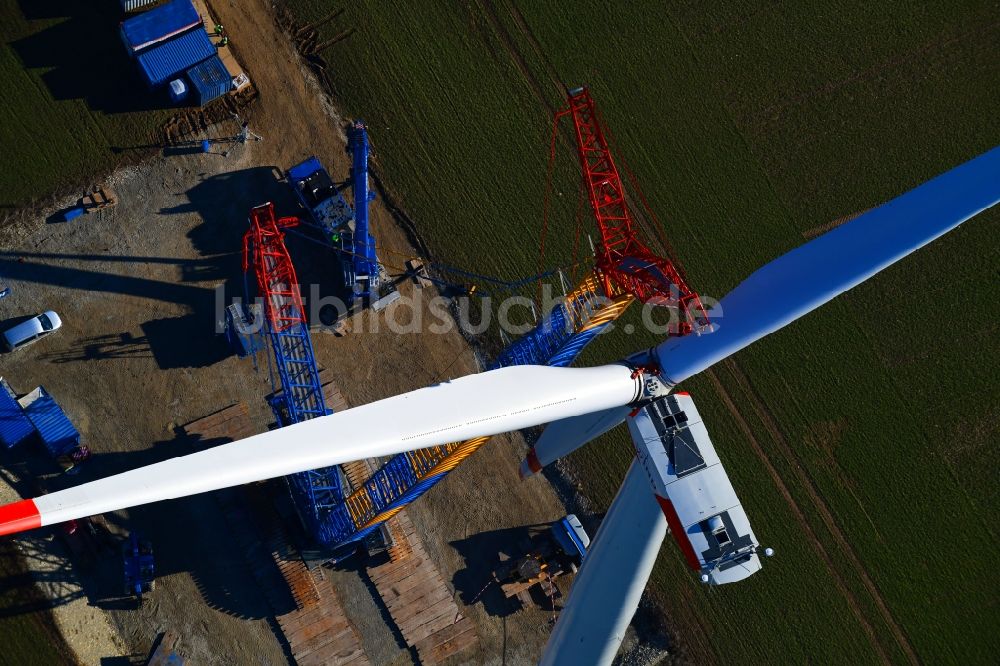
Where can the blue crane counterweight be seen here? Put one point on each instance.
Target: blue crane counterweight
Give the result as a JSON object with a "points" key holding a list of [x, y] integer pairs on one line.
{"points": [[325, 206]]}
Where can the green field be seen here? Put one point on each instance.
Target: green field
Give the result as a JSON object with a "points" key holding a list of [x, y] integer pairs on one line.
{"points": [[73, 104], [861, 439]]}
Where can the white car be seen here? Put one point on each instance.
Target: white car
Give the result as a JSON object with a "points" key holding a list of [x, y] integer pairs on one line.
{"points": [[26, 332]]}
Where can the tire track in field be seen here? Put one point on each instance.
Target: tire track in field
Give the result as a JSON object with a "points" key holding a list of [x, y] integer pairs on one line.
{"points": [[490, 12], [779, 483], [536, 46], [809, 234], [769, 421]]}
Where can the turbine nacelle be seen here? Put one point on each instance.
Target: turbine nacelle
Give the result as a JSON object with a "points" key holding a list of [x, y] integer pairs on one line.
{"points": [[694, 492]]}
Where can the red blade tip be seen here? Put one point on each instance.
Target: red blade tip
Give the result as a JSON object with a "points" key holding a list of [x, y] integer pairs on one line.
{"points": [[19, 516]]}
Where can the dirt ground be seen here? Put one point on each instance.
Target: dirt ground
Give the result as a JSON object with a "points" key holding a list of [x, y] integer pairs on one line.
{"points": [[139, 287]]}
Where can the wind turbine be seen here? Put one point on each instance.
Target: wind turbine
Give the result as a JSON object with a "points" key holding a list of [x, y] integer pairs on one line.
{"points": [[579, 402]]}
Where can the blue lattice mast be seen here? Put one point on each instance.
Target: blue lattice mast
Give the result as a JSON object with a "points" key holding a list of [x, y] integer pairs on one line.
{"points": [[318, 493]]}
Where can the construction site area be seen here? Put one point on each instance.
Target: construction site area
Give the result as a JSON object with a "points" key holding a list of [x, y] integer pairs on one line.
{"points": [[259, 325], [154, 360]]}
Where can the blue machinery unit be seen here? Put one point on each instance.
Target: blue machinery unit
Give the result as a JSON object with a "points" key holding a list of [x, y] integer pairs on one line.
{"points": [[318, 493], [137, 558], [325, 206]]}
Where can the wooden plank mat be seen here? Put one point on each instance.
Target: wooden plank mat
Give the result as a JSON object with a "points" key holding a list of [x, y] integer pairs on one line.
{"points": [[448, 641], [315, 627], [333, 397], [420, 602], [227, 424]]}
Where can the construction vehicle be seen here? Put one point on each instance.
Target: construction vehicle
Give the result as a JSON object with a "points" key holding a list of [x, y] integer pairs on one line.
{"points": [[548, 554], [137, 557], [364, 261], [345, 228]]}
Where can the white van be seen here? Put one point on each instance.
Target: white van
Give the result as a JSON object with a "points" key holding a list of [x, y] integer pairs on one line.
{"points": [[26, 332]]}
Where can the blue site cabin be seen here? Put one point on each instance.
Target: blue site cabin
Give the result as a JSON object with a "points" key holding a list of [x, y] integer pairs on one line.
{"points": [[158, 25], [54, 428], [15, 427], [164, 62], [209, 80]]}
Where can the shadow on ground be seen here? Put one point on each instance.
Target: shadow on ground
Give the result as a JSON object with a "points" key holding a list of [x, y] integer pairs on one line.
{"points": [[194, 339], [91, 557], [482, 554], [83, 56]]}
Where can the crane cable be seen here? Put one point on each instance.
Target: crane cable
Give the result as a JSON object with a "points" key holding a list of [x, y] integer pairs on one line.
{"points": [[547, 199]]}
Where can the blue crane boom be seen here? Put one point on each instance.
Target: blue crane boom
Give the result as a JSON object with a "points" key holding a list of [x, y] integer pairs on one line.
{"points": [[364, 257]]}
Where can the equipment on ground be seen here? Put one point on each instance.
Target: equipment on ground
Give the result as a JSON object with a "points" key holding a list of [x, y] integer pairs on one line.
{"points": [[243, 329], [245, 132], [547, 554], [98, 198], [140, 574], [580, 402]]}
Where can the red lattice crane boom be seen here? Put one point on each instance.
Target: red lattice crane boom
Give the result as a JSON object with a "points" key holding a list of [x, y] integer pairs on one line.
{"points": [[624, 263]]}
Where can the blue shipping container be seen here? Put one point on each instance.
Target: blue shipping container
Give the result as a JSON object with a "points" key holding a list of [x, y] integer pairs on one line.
{"points": [[209, 80], [158, 25], [57, 433], [15, 427], [163, 62]]}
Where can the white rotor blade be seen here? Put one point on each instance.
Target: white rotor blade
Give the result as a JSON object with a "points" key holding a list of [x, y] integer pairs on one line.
{"points": [[809, 276], [607, 589], [478, 405], [560, 438]]}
